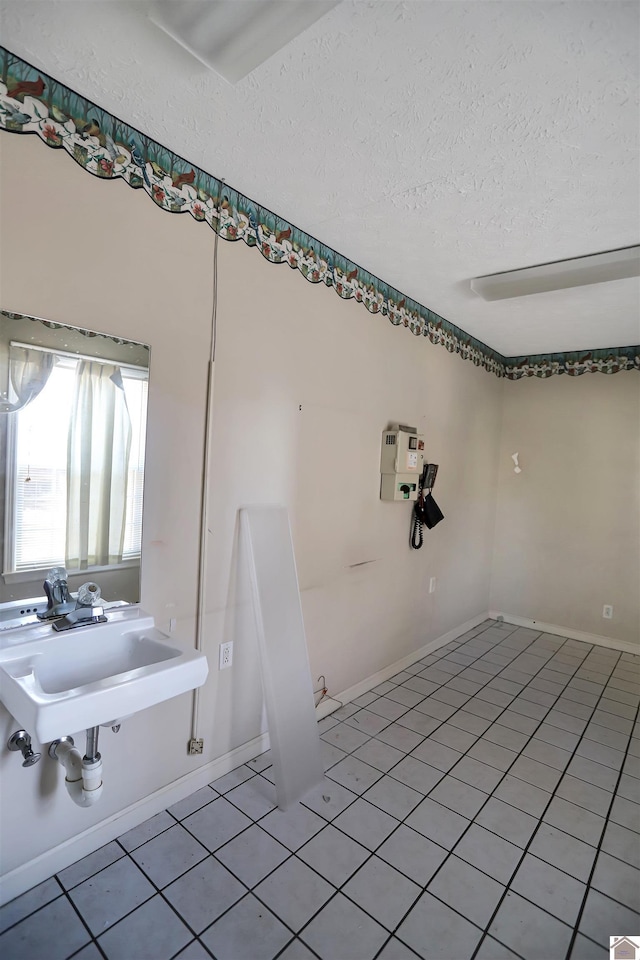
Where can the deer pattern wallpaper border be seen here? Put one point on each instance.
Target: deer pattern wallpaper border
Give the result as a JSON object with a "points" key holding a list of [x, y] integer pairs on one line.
{"points": [[33, 102]]}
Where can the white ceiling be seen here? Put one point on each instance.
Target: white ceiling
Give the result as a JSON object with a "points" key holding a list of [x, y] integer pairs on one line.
{"points": [[429, 142]]}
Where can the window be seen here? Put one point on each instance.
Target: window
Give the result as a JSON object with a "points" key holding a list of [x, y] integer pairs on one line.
{"points": [[36, 522]]}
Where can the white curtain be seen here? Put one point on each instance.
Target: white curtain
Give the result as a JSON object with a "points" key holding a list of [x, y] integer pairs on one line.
{"points": [[29, 371], [97, 467]]}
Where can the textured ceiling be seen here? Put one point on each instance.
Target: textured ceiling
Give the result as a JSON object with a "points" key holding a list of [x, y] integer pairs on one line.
{"points": [[430, 142]]}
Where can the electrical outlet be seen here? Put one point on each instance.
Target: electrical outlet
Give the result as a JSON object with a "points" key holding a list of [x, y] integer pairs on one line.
{"points": [[607, 612], [432, 585], [226, 655]]}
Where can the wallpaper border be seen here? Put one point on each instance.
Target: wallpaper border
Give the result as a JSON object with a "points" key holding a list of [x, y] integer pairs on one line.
{"points": [[33, 102]]}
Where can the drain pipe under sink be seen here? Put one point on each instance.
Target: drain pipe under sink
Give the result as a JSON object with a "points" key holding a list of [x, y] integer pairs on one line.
{"points": [[83, 778]]}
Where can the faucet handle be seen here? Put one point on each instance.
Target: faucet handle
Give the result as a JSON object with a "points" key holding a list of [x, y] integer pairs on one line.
{"points": [[88, 594], [57, 573], [20, 740]]}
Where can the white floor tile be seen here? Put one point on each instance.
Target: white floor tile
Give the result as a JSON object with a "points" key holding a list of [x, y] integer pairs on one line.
{"points": [[252, 855], [294, 892], [529, 931], [343, 930], [164, 858], [53, 933], [366, 824], [254, 797], [247, 930], [438, 823], [334, 855], [494, 855], [549, 888], [204, 893], [394, 797], [412, 854], [432, 923], [192, 803], [328, 799], [108, 896], [382, 892], [293, 827], [217, 823], [467, 890], [37, 897], [153, 930]]}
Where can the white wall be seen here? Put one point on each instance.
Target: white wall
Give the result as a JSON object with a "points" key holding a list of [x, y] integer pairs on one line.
{"points": [[106, 258], [567, 528]]}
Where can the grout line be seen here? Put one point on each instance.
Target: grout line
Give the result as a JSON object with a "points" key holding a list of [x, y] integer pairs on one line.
{"points": [[292, 943], [190, 944]]}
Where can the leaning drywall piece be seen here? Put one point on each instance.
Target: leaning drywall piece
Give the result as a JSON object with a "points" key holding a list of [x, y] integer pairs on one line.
{"points": [[286, 678]]}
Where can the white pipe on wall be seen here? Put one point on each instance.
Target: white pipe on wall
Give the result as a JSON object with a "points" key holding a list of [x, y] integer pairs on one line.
{"points": [[206, 460], [83, 780]]}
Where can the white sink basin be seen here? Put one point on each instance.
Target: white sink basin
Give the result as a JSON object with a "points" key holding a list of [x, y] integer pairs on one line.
{"points": [[55, 684]]}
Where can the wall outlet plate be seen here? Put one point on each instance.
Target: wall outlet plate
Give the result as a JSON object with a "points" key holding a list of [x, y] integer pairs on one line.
{"points": [[607, 612], [225, 655]]}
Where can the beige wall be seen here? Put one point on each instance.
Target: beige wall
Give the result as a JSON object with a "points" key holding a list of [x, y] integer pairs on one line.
{"points": [[304, 385], [567, 528]]}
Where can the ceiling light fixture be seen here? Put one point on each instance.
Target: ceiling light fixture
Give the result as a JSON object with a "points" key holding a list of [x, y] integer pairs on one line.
{"points": [[233, 37], [560, 274]]}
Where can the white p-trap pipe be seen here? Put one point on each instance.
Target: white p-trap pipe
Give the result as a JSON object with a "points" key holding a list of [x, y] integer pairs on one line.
{"points": [[83, 780]]}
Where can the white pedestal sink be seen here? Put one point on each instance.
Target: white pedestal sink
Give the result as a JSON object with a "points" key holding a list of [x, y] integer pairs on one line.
{"points": [[58, 683]]}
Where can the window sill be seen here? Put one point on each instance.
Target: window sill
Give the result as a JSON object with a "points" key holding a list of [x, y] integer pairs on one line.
{"points": [[24, 576]]}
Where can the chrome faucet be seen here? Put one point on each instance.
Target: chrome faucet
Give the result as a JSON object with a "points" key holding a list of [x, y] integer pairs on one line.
{"points": [[88, 609], [59, 600]]}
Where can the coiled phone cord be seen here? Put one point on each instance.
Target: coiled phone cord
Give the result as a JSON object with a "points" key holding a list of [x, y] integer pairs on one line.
{"points": [[416, 538]]}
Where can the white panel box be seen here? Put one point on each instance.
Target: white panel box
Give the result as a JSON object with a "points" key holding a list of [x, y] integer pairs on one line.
{"points": [[401, 462]]}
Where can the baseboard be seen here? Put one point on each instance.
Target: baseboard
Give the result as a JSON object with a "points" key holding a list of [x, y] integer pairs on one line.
{"points": [[352, 693], [52, 861], [64, 854], [558, 631]]}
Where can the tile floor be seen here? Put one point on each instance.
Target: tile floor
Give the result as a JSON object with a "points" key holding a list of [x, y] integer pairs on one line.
{"points": [[484, 803]]}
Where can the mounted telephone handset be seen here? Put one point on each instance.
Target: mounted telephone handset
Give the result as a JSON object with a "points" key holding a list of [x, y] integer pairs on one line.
{"points": [[425, 510]]}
